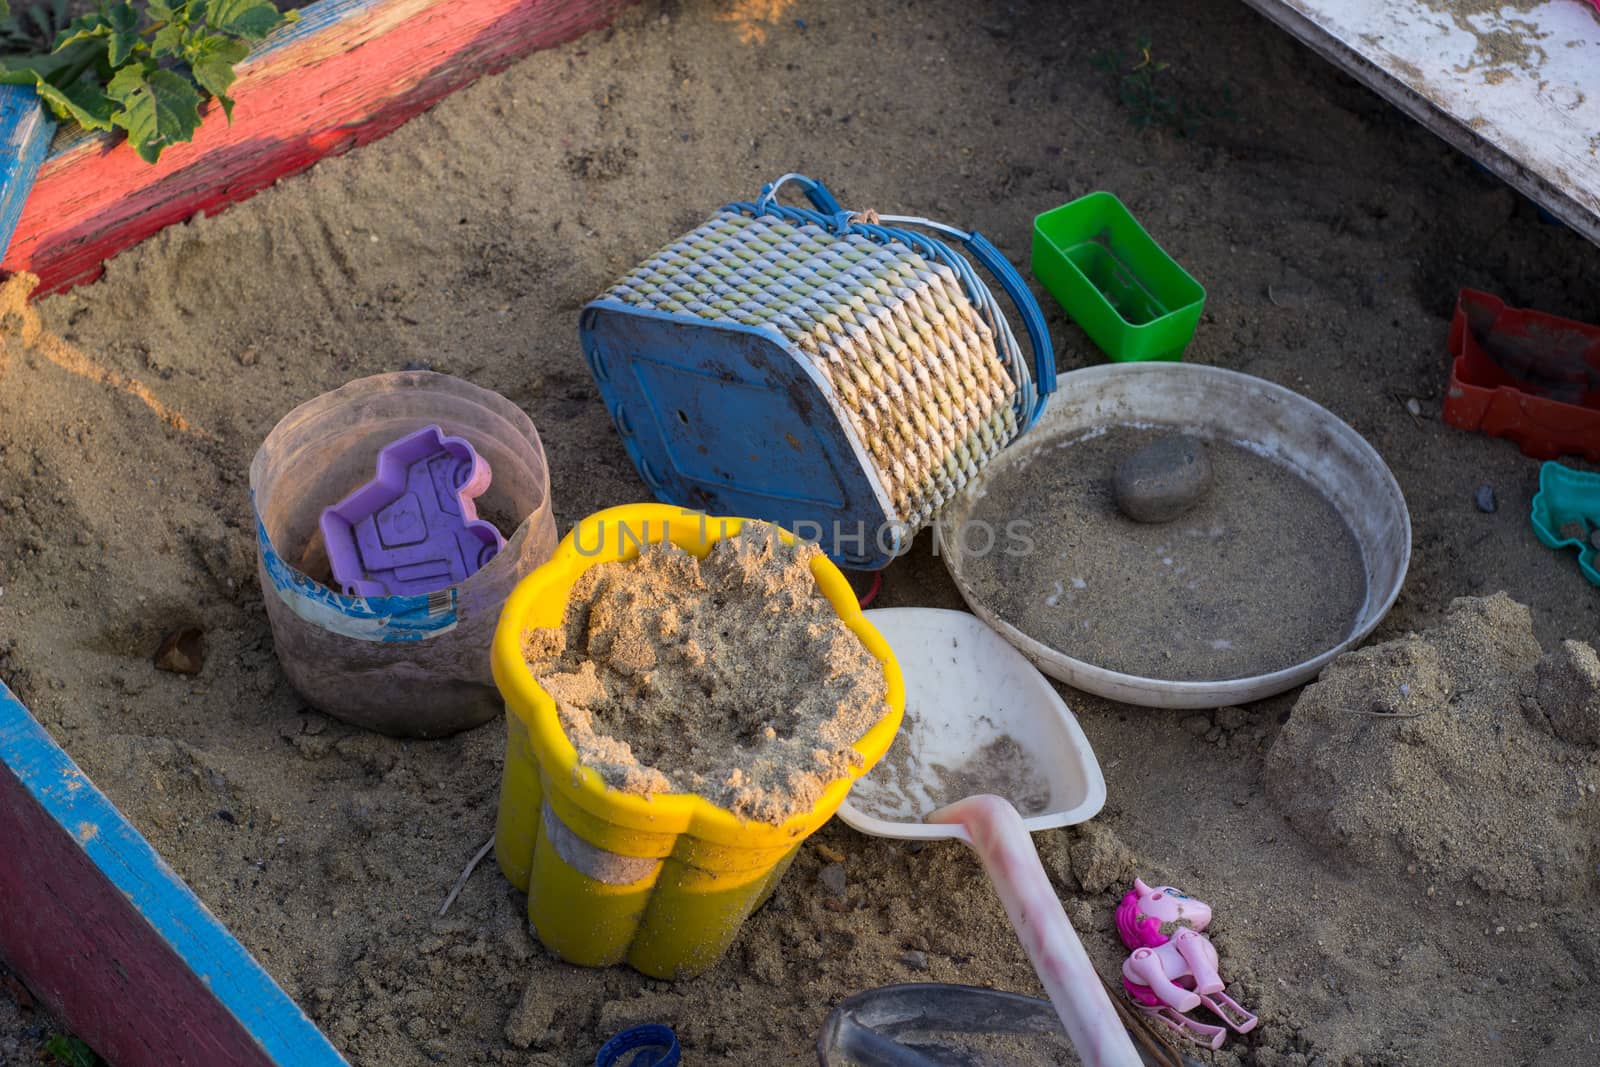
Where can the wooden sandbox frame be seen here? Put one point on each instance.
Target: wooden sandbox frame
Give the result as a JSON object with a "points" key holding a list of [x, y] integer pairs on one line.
{"points": [[102, 931], [1533, 120], [348, 72]]}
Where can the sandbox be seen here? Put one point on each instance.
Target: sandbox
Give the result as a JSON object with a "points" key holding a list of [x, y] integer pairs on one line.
{"points": [[328, 851]]}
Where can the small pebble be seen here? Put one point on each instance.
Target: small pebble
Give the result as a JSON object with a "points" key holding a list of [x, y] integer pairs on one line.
{"points": [[1163, 479], [1414, 406], [833, 880], [916, 961], [1198, 725], [1230, 717], [1574, 530], [1484, 498]]}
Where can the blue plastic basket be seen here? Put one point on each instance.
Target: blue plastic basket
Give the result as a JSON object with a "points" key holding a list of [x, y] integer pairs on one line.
{"points": [[818, 369]]}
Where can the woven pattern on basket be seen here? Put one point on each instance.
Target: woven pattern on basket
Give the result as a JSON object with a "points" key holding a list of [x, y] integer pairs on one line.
{"points": [[913, 365]]}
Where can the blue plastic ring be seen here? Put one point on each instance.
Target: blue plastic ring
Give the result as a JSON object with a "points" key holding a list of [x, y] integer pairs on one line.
{"points": [[647, 1036]]}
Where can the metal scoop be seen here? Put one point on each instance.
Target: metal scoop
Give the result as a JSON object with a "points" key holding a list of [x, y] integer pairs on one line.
{"points": [[984, 733]]}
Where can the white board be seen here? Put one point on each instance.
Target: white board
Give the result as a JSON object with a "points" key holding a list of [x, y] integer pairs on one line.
{"points": [[1515, 84]]}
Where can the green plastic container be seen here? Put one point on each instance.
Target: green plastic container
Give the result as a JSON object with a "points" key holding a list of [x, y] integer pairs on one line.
{"points": [[1130, 297], [1568, 496]]}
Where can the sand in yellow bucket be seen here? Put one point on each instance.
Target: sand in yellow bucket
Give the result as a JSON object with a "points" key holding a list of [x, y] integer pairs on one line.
{"points": [[660, 882]]}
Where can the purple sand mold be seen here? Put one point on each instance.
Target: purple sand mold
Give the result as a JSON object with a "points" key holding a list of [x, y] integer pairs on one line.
{"points": [[414, 528]]}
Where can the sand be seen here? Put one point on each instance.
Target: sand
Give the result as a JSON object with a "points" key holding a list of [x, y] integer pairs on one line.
{"points": [[1002, 767], [1260, 575], [907, 785], [469, 240], [1456, 787], [730, 677]]}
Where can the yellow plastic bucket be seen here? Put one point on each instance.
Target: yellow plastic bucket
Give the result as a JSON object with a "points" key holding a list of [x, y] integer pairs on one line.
{"points": [[662, 882]]}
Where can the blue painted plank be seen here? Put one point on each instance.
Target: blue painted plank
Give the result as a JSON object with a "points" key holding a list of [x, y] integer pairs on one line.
{"points": [[314, 18], [136, 872], [25, 132]]}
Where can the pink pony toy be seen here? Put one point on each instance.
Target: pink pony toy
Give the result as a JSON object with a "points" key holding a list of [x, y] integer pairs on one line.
{"points": [[1173, 968]]}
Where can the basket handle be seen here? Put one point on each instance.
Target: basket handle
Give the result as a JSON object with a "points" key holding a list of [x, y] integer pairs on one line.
{"points": [[815, 191], [1044, 357]]}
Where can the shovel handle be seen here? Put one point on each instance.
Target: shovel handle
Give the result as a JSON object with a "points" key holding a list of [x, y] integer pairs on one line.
{"points": [[995, 832]]}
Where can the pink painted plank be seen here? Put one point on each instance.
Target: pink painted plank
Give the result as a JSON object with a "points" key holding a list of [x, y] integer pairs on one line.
{"points": [[351, 72]]}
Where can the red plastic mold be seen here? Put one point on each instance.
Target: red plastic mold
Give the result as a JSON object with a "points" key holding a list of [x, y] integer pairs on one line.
{"points": [[1524, 375]]}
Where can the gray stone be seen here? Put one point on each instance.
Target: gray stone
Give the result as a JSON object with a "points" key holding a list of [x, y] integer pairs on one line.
{"points": [[1484, 498], [1164, 479], [833, 879]]}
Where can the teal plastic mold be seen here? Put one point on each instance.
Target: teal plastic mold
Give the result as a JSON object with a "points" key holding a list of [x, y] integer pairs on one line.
{"points": [[1565, 496]]}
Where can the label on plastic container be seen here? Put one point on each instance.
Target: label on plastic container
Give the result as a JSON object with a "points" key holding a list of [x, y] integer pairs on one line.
{"points": [[377, 618], [609, 867]]}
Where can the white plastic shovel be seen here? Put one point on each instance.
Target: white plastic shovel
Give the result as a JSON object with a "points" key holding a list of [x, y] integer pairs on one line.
{"points": [[967, 691]]}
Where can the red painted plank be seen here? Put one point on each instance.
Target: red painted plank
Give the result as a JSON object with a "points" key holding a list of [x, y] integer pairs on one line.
{"points": [[89, 955], [349, 83]]}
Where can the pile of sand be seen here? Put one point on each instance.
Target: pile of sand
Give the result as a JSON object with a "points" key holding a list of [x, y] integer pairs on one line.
{"points": [[732, 677], [1462, 753]]}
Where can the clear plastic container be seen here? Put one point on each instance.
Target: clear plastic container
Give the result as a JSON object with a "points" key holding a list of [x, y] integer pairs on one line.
{"points": [[932, 1024], [411, 666]]}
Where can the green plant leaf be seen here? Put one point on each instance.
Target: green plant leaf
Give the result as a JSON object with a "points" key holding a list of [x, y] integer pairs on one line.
{"points": [[168, 40], [212, 65], [25, 70], [124, 32], [94, 24], [129, 80], [82, 99], [69, 94], [163, 109], [70, 1052], [103, 72], [251, 19]]}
